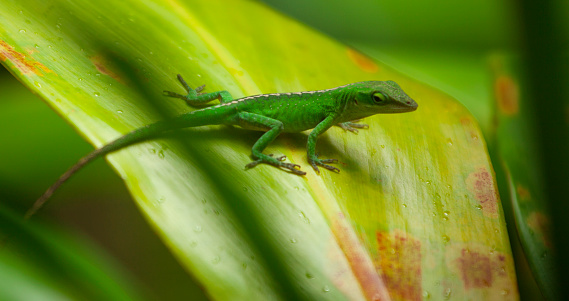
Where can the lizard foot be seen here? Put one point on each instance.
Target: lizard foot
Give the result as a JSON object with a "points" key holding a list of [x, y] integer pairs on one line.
{"points": [[315, 162], [293, 168], [352, 126], [192, 93]]}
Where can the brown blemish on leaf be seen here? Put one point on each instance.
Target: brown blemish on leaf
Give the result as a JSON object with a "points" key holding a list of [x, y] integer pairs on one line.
{"points": [[365, 63], [20, 62], [469, 128], [31, 51], [481, 184], [476, 269], [507, 95], [465, 121], [105, 67], [539, 224], [399, 261], [523, 193], [361, 265], [484, 269]]}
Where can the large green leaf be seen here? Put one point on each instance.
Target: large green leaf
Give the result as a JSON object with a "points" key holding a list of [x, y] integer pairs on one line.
{"points": [[38, 263], [519, 156], [414, 213]]}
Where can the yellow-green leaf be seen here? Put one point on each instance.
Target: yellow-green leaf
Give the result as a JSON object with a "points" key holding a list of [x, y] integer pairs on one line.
{"points": [[413, 215]]}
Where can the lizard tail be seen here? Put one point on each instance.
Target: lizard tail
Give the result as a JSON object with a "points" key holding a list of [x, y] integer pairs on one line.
{"points": [[145, 133]]}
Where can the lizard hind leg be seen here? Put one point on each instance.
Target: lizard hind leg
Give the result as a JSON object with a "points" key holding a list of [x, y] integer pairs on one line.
{"points": [[195, 97], [274, 128]]}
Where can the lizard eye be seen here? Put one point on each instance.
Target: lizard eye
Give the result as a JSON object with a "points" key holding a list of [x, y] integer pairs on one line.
{"points": [[379, 97]]}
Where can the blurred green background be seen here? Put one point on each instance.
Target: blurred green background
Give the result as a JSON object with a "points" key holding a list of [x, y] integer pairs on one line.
{"points": [[449, 45]]}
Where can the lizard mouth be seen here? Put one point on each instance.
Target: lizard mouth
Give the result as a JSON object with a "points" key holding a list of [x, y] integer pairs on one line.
{"points": [[403, 109]]}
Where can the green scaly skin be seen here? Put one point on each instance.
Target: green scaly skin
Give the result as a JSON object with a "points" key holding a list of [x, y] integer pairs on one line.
{"points": [[274, 113]]}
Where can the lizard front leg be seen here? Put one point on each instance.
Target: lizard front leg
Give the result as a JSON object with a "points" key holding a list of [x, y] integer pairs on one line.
{"points": [[352, 126], [195, 98], [311, 145], [274, 128]]}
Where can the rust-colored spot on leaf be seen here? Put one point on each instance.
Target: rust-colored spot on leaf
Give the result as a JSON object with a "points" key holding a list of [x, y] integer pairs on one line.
{"points": [[523, 193], [19, 60], [31, 51], [365, 63], [360, 263], [481, 184], [399, 261], [507, 95], [539, 223], [483, 268], [476, 269], [470, 129], [105, 67]]}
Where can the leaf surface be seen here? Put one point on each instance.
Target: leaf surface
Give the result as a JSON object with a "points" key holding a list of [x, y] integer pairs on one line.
{"points": [[414, 214]]}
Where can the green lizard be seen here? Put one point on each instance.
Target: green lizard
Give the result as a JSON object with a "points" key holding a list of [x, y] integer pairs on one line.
{"points": [[274, 113]]}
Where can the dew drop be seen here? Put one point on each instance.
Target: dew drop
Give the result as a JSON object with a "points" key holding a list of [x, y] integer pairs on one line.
{"points": [[309, 276], [216, 260], [198, 229], [478, 207], [37, 84], [37, 46], [97, 94], [326, 289], [303, 217], [404, 205], [22, 31], [426, 295], [447, 293], [445, 238], [161, 154], [293, 240], [120, 111], [449, 141], [245, 189]]}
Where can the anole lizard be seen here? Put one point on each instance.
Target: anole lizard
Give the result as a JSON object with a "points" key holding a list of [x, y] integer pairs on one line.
{"points": [[272, 113]]}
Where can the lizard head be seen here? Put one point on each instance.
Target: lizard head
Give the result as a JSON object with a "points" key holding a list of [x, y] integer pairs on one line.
{"points": [[381, 97]]}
